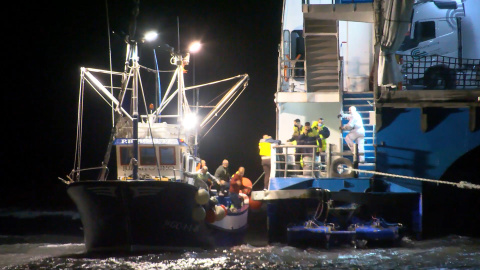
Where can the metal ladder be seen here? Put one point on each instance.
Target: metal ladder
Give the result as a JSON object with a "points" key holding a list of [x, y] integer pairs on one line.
{"points": [[364, 103]]}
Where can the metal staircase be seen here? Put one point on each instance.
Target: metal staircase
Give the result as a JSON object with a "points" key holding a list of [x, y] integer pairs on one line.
{"points": [[323, 73], [321, 57], [363, 101]]}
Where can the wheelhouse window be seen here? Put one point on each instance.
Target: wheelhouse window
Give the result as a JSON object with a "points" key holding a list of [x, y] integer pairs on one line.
{"points": [[126, 155], [148, 156], [167, 156], [424, 31]]}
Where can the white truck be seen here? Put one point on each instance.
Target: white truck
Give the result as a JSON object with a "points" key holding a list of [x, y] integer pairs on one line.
{"points": [[441, 50]]}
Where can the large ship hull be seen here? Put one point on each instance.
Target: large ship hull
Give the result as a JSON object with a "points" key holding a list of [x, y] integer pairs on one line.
{"points": [[139, 216]]}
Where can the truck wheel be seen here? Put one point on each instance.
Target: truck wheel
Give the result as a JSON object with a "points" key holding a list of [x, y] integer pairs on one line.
{"points": [[439, 78], [340, 167]]}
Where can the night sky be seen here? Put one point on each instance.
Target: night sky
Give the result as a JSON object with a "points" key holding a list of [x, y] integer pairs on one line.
{"points": [[48, 42]]}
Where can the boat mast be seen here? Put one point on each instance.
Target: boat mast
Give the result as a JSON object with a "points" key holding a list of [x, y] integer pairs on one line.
{"points": [[132, 45], [135, 67], [179, 62]]}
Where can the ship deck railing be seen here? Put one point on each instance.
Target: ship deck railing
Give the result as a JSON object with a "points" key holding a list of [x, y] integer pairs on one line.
{"points": [[312, 164], [456, 73]]}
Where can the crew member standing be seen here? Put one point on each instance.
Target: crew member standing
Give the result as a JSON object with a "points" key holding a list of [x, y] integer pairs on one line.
{"points": [[236, 185], [297, 129], [203, 178], [265, 154], [357, 131], [222, 173], [323, 133], [307, 137]]}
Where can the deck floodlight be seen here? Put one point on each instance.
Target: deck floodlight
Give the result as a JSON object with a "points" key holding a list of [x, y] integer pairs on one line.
{"points": [[190, 121], [195, 47], [150, 36]]}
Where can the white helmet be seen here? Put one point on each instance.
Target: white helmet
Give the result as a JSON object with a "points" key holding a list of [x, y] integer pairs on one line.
{"points": [[352, 109]]}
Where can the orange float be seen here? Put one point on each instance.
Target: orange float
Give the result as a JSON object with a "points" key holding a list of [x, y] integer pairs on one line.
{"points": [[255, 205], [247, 183]]}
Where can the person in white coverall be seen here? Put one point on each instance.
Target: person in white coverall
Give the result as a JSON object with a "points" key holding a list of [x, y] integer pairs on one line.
{"points": [[357, 131]]}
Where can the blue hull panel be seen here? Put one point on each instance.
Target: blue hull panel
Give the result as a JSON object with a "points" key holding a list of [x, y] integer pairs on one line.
{"points": [[404, 148]]}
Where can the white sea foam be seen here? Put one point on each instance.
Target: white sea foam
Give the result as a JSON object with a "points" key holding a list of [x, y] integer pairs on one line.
{"points": [[19, 254], [451, 252], [34, 214]]}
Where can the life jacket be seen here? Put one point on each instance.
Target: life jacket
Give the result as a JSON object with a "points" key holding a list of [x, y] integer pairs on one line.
{"points": [[324, 141], [312, 133], [297, 131]]}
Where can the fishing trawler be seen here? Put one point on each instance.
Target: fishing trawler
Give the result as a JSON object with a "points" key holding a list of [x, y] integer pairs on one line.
{"points": [[150, 204], [336, 56]]}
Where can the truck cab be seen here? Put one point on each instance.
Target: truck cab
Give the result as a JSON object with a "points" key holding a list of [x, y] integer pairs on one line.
{"points": [[433, 31], [433, 55]]}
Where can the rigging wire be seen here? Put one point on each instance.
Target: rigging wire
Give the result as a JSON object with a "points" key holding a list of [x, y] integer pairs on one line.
{"points": [[101, 96], [217, 97], [78, 142], [110, 58], [167, 93], [244, 86]]}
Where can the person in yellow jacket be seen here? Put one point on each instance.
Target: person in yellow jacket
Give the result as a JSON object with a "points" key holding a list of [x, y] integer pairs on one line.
{"points": [[265, 148], [323, 133], [307, 137], [297, 129]]}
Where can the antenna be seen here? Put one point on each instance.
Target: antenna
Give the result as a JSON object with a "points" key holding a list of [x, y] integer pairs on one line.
{"points": [[178, 33]]}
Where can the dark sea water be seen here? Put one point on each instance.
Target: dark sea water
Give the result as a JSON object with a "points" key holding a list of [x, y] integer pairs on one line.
{"points": [[52, 244]]}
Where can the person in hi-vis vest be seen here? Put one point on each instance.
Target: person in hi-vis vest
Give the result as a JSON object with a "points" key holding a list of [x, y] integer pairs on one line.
{"points": [[297, 129], [265, 154]]}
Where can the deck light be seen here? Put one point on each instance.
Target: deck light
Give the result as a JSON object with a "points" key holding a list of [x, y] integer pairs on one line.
{"points": [[195, 47], [190, 121], [150, 36]]}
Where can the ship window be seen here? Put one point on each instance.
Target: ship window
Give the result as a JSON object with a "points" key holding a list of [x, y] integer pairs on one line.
{"points": [[297, 45], [167, 155], [424, 31], [286, 44], [125, 155], [148, 156], [298, 50]]}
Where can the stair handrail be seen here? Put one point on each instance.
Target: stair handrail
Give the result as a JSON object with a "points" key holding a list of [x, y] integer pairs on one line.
{"points": [[340, 95]]}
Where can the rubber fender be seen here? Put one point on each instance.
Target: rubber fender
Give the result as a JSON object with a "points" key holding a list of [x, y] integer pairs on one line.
{"points": [[346, 163]]}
